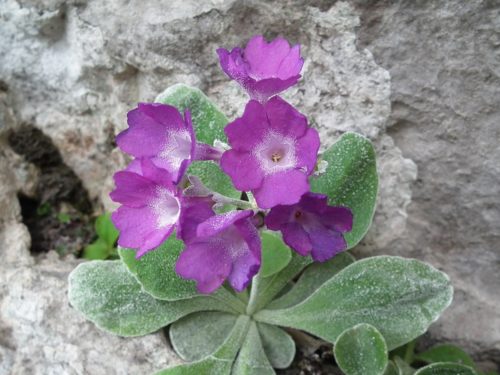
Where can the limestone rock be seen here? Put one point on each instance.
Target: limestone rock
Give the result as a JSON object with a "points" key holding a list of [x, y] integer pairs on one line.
{"points": [[444, 60]]}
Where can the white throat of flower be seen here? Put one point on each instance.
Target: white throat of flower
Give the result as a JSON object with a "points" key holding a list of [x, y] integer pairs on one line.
{"points": [[166, 207], [276, 153], [177, 147]]}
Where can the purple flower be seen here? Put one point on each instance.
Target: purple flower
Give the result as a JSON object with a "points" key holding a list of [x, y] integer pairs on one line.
{"points": [[218, 247], [273, 152], [150, 206], [158, 132], [263, 69], [312, 227]]}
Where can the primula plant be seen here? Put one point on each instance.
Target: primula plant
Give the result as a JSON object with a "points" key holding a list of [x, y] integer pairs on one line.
{"points": [[234, 234]]}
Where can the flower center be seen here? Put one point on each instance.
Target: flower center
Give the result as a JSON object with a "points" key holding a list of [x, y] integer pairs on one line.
{"points": [[276, 157], [275, 153], [298, 214], [177, 147], [166, 207]]}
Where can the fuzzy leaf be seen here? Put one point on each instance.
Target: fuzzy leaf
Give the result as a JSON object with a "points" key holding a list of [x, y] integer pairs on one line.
{"points": [[275, 254], [208, 120], [361, 350], [311, 279], [445, 353], [156, 271], [252, 359], [198, 335], [271, 286], [221, 362], [351, 180], [444, 368], [213, 178], [108, 295], [278, 345], [400, 297], [106, 229]]}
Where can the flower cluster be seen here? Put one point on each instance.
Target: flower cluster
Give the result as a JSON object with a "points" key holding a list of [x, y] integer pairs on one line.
{"points": [[273, 154]]}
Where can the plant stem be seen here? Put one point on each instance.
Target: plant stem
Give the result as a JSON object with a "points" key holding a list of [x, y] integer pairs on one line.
{"points": [[410, 349], [252, 303], [235, 202]]}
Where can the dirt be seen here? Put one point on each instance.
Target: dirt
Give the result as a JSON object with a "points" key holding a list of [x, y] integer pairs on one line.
{"points": [[321, 362], [59, 216]]}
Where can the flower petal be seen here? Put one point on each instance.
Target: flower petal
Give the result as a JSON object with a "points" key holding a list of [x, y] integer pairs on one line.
{"points": [[132, 189], [281, 188], [248, 130], [297, 238], [205, 262], [338, 218], [138, 229], [278, 216], [217, 223], [164, 114], [285, 119], [307, 150], [291, 64], [243, 168], [265, 58], [326, 244], [194, 210], [145, 136]]}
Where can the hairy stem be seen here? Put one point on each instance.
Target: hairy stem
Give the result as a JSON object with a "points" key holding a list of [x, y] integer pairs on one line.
{"points": [[254, 292]]}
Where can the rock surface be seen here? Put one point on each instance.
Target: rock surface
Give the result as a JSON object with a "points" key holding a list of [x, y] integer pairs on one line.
{"points": [[74, 68], [444, 60]]}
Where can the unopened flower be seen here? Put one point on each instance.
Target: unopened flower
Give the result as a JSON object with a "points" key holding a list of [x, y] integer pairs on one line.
{"points": [[263, 69], [218, 247], [158, 132], [273, 152], [150, 206], [312, 226]]}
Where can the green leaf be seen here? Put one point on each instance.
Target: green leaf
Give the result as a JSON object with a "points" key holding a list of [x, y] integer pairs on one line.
{"points": [[270, 286], [351, 180], [400, 297], [208, 120], [361, 350], [108, 295], [444, 368], [278, 345], [221, 362], [252, 359], [311, 279], [275, 254], [392, 369], [63, 218], [445, 353], [99, 249], [213, 178], [106, 229], [198, 335], [156, 271]]}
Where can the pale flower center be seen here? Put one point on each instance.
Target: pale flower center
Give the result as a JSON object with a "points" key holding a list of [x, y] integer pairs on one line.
{"points": [[177, 147], [276, 153], [166, 207]]}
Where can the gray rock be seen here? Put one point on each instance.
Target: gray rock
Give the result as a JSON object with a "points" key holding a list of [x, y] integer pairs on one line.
{"points": [[444, 60]]}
